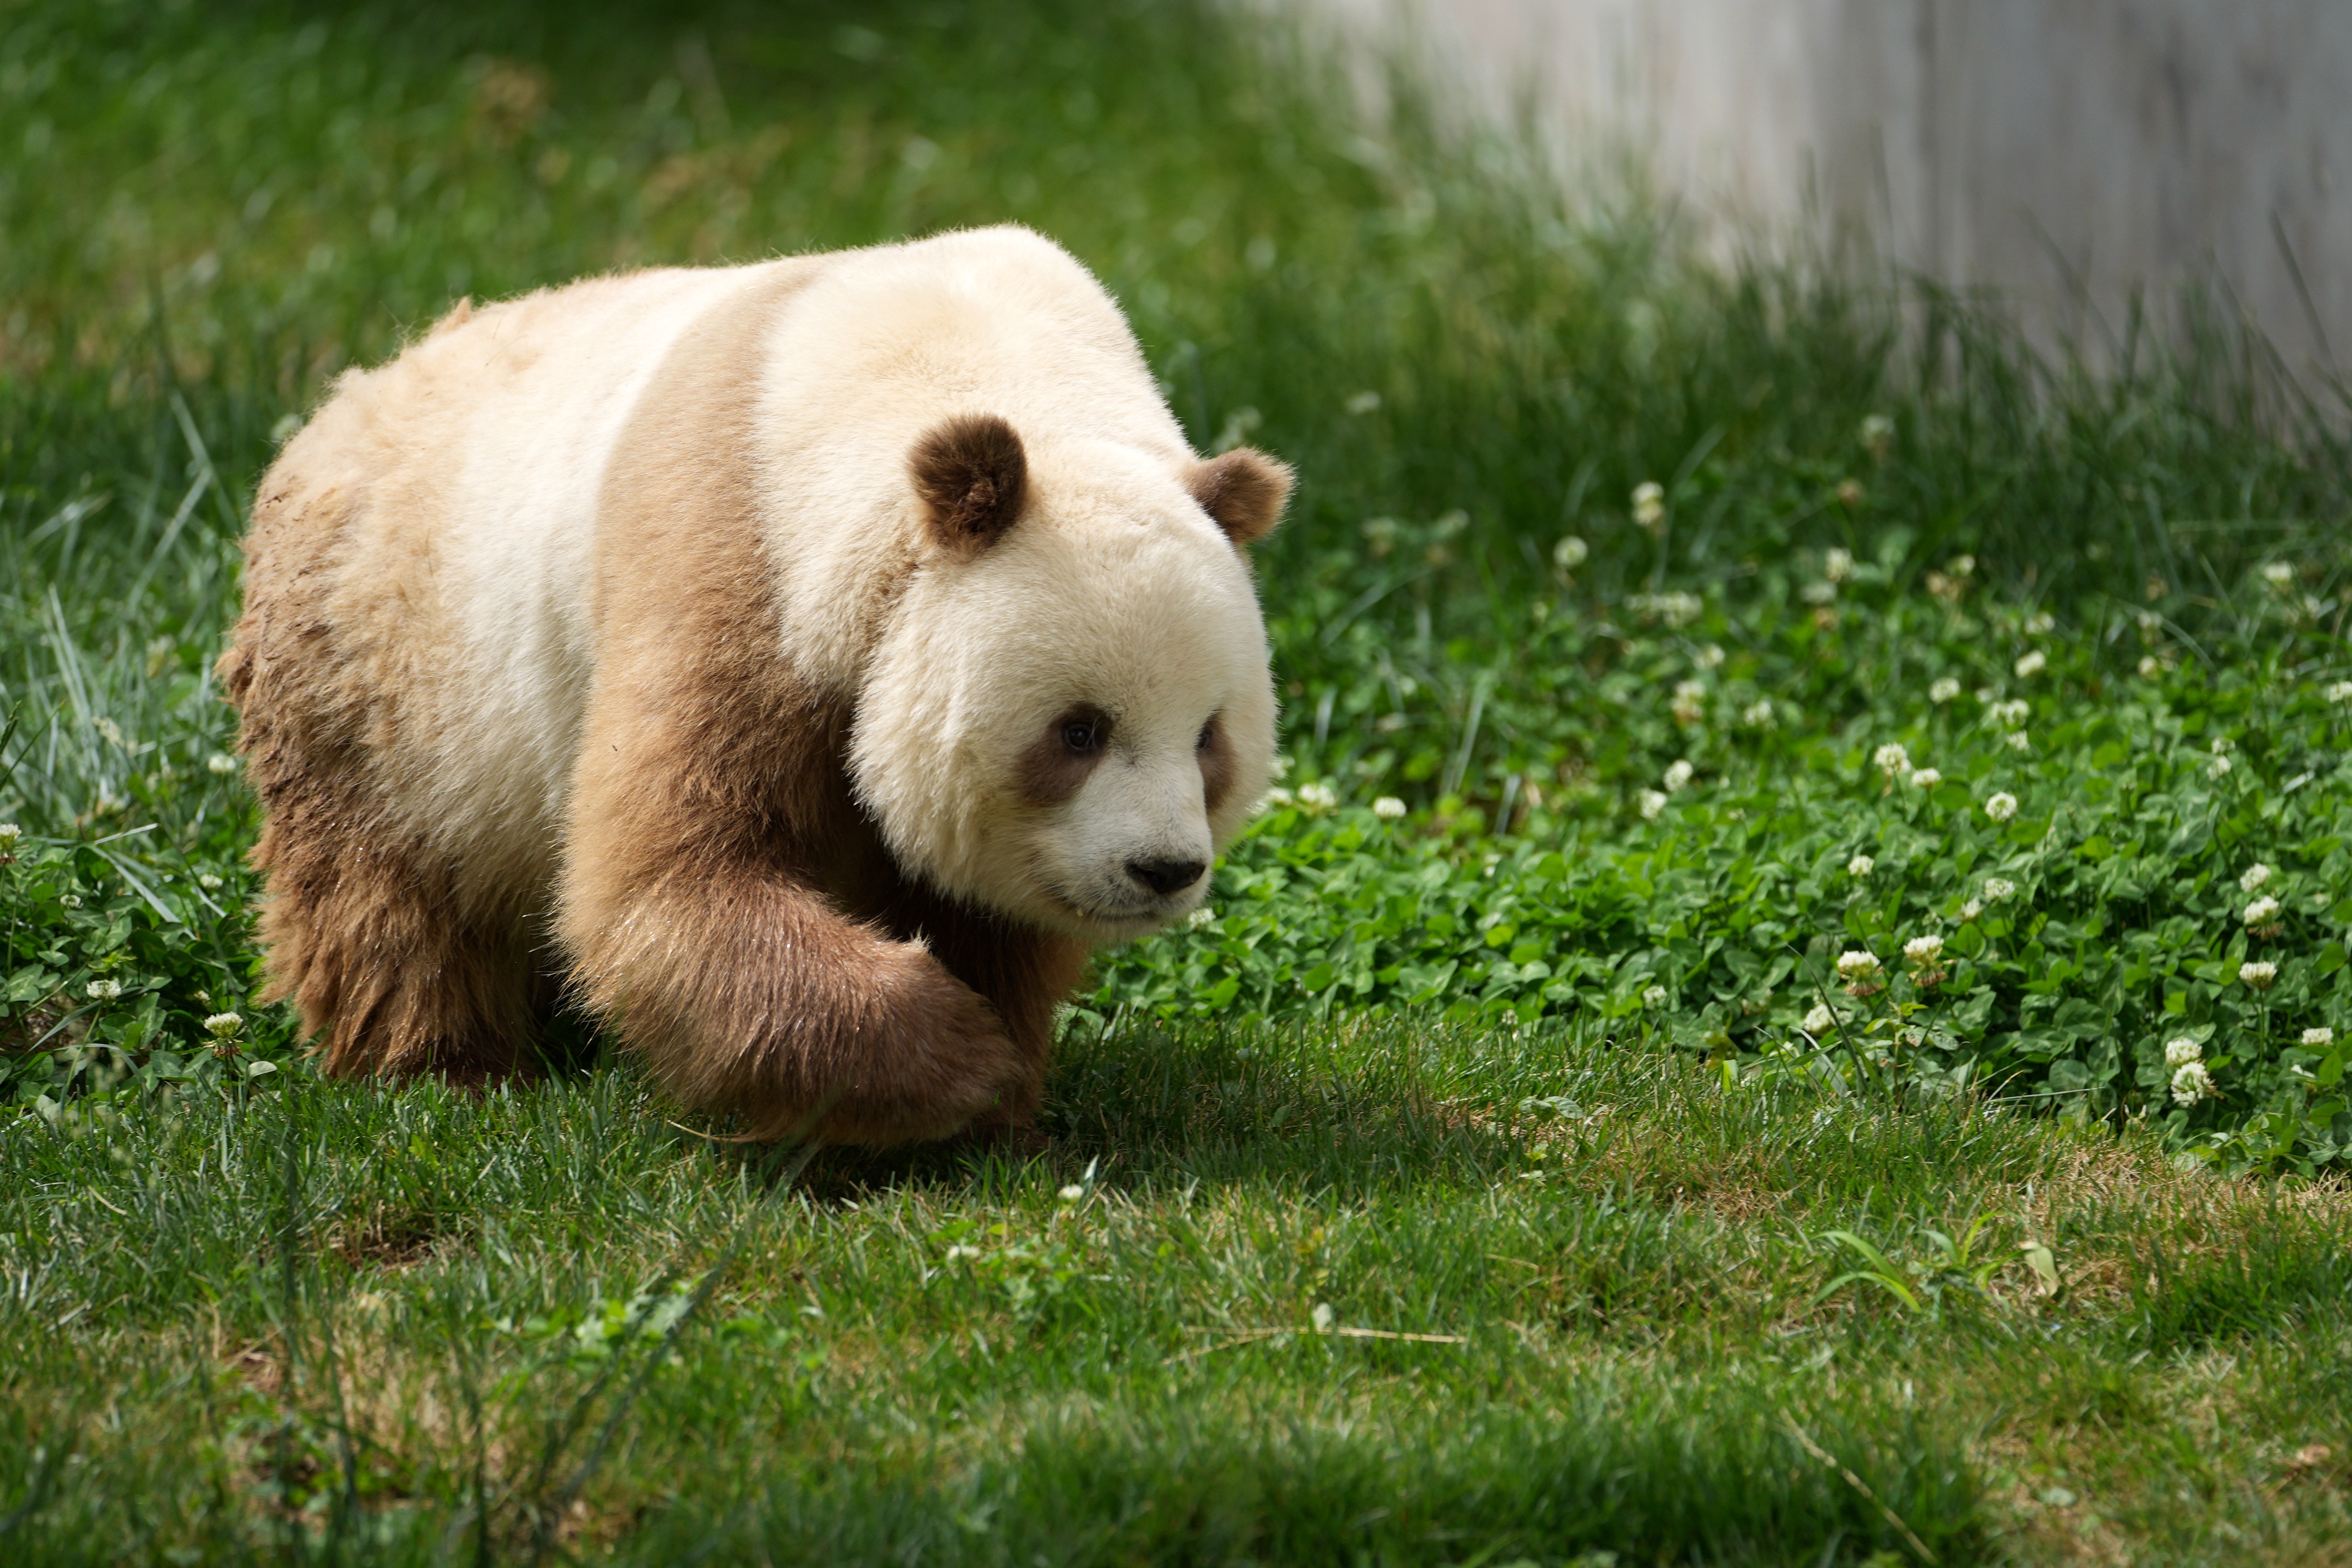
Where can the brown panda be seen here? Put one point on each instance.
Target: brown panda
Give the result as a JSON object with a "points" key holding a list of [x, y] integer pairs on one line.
{"points": [[805, 662]]}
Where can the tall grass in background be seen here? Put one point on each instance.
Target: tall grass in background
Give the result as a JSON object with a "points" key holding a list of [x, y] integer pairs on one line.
{"points": [[234, 202]]}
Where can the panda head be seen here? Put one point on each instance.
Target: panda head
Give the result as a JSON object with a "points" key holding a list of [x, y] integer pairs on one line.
{"points": [[1069, 711]]}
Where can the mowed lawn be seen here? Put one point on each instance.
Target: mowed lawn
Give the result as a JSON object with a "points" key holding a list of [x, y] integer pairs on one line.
{"points": [[1504, 1169]]}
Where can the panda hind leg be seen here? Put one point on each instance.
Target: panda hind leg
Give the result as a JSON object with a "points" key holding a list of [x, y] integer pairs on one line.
{"points": [[392, 976]]}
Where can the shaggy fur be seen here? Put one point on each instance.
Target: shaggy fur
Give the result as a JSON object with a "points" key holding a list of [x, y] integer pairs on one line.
{"points": [[709, 638], [724, 901]]}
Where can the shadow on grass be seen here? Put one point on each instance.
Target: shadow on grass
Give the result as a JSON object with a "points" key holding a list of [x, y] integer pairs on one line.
{"points": [[1347, 1111], [1691, 1474]]}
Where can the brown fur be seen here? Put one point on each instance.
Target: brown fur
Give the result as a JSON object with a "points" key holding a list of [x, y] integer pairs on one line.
{"points": [[972, 477], [369, 931], [1243, 491], [1049, 772], [402, 952], [724, 901], [1216, 754]]}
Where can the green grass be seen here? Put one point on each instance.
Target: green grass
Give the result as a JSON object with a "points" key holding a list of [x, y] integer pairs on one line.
{"points": [[1533, 1069]]}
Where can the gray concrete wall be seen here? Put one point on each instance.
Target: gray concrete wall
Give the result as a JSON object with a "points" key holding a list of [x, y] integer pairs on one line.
{"points": [[2062, 152]]}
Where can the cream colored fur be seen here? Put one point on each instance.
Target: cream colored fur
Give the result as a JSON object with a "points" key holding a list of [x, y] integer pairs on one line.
{"points": [[470, 589]]}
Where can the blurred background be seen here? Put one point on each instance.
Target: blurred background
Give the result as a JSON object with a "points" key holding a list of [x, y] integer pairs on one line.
{"points": [[2072, 159], [1503, 260]]}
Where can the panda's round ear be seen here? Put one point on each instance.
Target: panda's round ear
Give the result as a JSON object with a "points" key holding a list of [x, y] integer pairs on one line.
{"points": [[972, 476], [1243, 491]]}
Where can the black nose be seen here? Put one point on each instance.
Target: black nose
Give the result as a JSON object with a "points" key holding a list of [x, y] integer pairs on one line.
{"points": [[1164, 877]]}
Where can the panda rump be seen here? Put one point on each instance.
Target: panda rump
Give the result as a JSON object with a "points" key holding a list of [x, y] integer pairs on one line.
{"points": [[800, 665]]}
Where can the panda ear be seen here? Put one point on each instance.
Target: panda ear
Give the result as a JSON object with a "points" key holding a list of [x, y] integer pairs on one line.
{"points": [[972, 477], [1243, 491]]}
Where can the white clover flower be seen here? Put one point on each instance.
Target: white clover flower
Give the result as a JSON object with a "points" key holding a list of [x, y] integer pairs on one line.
{"points": [[1678, 774], [1570, 553], [208, 881], [1651, 802], [105, 991], [1710, 657], [70, 899], [2032, 663], [2150, 666], [1072, 1193], [1926, 779], [1278, 796], [2260, 974], [1877, 430], [1860, 866], [1204, 915], [1388, 808], [2278, 574], [1654, 996], [2001, 806], [1998, 888], [1819, 593], [1987, 696], [1649, 504], [2341, 692], [1678, 609], [1890, 759], [1819, 1020], [221, 762], [1319, 797], [1971, 909], [1757, 715], [223, 1025], [2256, 875], [1944, 690], [1690, 703], [1837, 564], [2318, 1038], [9, 833], [2018, 741], [2192, 1082], [1857, 965], [2179, 1053], [1924, 950], [959, 1254], [2040, 621], [2262, 911], [2219, 766], [2009, 715]]}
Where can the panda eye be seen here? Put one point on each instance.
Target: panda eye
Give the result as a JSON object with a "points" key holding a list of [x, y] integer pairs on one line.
{"points": [[1208, 736], [1081, 736]]}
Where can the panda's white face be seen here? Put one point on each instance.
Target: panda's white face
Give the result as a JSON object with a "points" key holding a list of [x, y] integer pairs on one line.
{"points": [[1070, 726]]}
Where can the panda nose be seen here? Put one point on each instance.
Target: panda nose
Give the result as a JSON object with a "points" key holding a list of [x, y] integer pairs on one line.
{"points": [[1164, 877]]}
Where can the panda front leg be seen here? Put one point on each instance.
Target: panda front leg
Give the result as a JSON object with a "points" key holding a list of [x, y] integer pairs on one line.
{"points": [[696, 926]]}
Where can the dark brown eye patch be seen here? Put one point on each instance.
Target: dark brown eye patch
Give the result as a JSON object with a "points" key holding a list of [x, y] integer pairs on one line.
{"points": [[1054, 765], [1216, 754]]}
